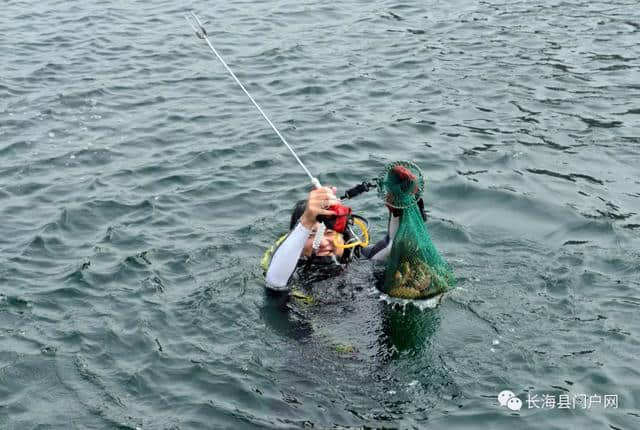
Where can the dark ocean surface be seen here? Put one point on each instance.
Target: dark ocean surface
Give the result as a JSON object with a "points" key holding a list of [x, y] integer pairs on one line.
{"points": [[139, 189]]}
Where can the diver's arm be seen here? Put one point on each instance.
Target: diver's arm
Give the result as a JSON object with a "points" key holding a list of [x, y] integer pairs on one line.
{"points": [[380, 251], [285, 259], [394, 223]]}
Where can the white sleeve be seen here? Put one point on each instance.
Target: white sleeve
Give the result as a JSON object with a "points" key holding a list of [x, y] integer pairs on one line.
{"points": [[394, 223], [383, 254], [285, 259]]}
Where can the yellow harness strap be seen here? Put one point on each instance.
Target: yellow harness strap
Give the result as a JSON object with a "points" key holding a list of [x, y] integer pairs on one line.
{"points": [[365, 236]]}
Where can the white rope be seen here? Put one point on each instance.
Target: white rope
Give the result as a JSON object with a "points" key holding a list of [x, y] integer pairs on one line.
{"points": [[202, 34]]}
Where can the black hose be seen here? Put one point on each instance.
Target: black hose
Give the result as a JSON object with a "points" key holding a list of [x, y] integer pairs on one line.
{"points": [[358, 189]]}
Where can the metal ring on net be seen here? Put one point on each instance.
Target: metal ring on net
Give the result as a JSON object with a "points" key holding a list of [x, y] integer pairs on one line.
{"points": [[400, 198]]}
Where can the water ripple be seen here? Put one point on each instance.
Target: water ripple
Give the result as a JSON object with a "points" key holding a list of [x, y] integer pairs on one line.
{"points": [[140, 188]]}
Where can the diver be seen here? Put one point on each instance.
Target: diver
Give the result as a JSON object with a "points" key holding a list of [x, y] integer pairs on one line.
{"points": [[414, 268], [294, 254]]}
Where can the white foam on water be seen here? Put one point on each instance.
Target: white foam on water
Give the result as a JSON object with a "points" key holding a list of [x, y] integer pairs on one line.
{"points": [[431, 303]]}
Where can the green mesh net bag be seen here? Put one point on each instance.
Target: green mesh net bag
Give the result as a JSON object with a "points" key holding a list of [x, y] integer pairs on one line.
{"points": [[415, 269]]}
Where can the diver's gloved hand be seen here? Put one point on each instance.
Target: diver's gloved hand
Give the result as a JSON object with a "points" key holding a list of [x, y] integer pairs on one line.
{"points": [[317, 203], [396, 212]]}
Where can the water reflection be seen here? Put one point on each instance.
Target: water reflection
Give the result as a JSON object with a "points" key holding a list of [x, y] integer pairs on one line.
{"points": [[349, 315], [406, 329]]}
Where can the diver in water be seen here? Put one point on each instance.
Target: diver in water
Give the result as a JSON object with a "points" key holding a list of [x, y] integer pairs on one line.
{"points": [[293, 254]]}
